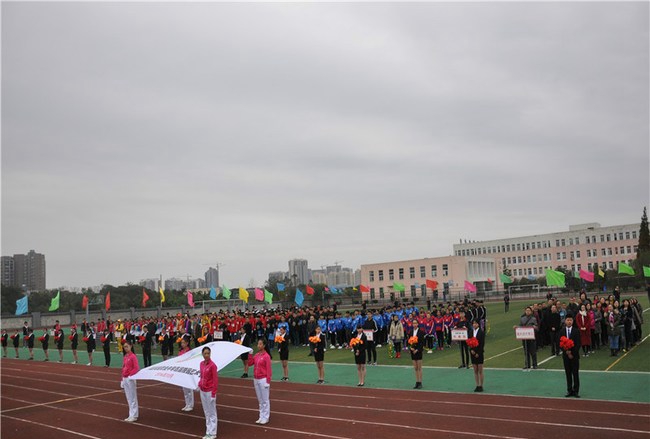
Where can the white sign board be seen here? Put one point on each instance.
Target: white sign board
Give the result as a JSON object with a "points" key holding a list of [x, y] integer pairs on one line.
{"points": [[459, 334], [369, 334], [525, 333]]}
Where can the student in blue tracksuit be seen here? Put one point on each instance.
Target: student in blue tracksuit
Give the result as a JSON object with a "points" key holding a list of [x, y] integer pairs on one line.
{"points": [[380, 328], [347, 328], [322, 323], [340, 331], [331, 331]]}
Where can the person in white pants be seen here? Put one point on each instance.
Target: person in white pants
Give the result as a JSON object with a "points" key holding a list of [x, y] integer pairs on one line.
{"points": [[130, 367], [262, 380], [188, 394], [208, 385]]}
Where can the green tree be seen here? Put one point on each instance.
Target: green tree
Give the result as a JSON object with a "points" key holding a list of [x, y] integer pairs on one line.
{"points": [[643, 250]]}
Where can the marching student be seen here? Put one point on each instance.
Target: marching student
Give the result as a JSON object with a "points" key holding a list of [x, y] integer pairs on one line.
{"points": [[262, 373], [208, 385], [188, 394], [45, 340], [16, 341], [90, 344], [416, 344], [283, 350], [476, 354], [58, 340], [5, 339], [129, 368], [29, 339], [244, 340], [359, 344], [74, 343], [317, 342], [106, 345]]}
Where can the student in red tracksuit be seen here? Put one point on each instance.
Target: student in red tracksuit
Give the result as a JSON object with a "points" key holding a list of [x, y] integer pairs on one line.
{"points": [[262, 373], [129, 368], [438, 327], [208, 385]]}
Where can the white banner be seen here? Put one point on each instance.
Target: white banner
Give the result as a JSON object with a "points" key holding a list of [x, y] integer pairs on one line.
{"points": [[184, 370], [525, 333], [459, 334]]}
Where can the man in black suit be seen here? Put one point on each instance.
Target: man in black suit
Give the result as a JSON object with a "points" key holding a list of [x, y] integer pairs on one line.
{"points": [[571, 357]]}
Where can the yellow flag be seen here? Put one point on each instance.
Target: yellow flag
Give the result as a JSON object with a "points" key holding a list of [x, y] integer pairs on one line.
{"points": [[162, 295], [601, 273], [243, 294]]}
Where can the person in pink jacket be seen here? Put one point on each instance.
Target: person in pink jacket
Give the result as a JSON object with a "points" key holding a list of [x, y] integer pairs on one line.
{"points": [[208, 388], [130, 367], [261, 361]]}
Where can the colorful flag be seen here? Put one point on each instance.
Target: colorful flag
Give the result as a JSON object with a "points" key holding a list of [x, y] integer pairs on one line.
{"points": [[310, 290], [243, 294], [54, 304], [363, 288], [470, 287], [555, 278], [259, 295], [213, 293], [268, 296], [190, 298], [84, 302], [334, 290], [280, 286], [505, 279], [21, 306], [625, 269], [107, 302], [225, 292], [490, 281], [299, 297], [646, 271], [145, 297], [162, 295], [576, 275], [432, 284], [398, 286], [587, 275], [601, 273]]}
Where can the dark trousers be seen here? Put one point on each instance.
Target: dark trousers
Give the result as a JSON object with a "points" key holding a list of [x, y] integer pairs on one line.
{"points": [[555, 343], [107, 355], [571, 370], [146, 355], [372, 352], [464, 353], [530, 351]]}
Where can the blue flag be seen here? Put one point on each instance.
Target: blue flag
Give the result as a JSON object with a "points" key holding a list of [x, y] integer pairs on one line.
{"points": [[21, 306], [280, 286], [213, 293], [333, 290], [299, 297]]}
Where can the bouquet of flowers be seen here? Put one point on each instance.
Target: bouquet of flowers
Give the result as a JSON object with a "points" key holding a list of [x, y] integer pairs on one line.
{"points": [[279, 339], [57, 338], [412, 341], [314, 339], [103, 339], [472, 342], [142, 338], [161, 338], [202, 339], [178, 340], [355, 341], [237, 341], [566, 344], [86, 339], [70, 337], [13, 336], [41, 338]]}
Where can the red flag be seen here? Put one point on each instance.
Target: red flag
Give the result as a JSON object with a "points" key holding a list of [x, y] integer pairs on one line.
{"points": [[84, 302], [310, 290], [108, 301], [470, 287], [490, 281], [145, 297], [586, 275], [432, 284], [364, 289]]}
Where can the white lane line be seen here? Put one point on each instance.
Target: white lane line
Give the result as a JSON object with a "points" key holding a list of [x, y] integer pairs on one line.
{"points": [[50, 426]]}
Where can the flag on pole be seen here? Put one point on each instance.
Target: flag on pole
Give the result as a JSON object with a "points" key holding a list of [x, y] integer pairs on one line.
{"points": [[555, 278], [505, 279], [280, 286], [162, 295], [299, 297], [190, 298], [225, 292], [310, 290], [54, 304], [243, 294], [601, 273], [268, 296], [84, 302], [398, 286], [646, 271], [587, 275], [107, 302], [259, 295], [21, 306], [490, 281], [432, 284], [333, 290], [363, 288], [470, 287], [576, 275], [625, 269], [145, 297], [213, 293]]}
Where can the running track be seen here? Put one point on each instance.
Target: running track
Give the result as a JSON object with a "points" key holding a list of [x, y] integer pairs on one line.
{"points": [[61, 401]]}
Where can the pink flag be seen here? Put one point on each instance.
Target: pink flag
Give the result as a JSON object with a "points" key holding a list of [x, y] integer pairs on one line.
{"points": [[190, 299], [259, 295], [470, 287], [587, 275]]}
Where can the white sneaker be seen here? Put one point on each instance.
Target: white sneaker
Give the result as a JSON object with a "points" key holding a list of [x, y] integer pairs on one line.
{"points": [[89, 364], [258, 421], [340, 347], [264, 421], [378, 345], [131, 419], [429, 351], [74, 362], [187, 409]]}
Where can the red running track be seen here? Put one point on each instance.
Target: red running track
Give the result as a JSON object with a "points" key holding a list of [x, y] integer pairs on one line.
{"points": [[63, 401]]}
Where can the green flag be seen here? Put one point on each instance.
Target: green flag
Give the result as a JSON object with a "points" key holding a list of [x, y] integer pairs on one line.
{"points": [[54, 305], [398, 286], [505, 278], [576, 274], [268, 296], [225, 292], [625, 269], [554, 278], [646, 271]]}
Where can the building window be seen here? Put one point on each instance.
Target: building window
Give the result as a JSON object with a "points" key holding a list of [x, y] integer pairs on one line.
{"points": [[401, 273], [577, 241], [434, 271], [609, 251], [634, 235], [604, 252], [372, 293], [412, 272], [423, 271], [557, 242], [611, 265], [412, 290], [588, 241], [381, 275], [423, 290], [381, 292], [629, 250], [608, 237], [602, 238], [589, 266], [391, 275], [563, 242], [557, 256], [577, 254], [508, 247], [627, 235], [570, 241], [371, 274], [445, 270]]}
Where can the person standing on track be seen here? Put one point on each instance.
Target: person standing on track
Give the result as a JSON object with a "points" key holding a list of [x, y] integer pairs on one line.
{"points": [[45, 340], [317, 341], [571, 357], [359, 349], [90, 344], [129, 368], [262, 373], [58, 340], [371, 325], [16, 341], [74, 343], [208, 385], [416, 345], [477, 354], [30, 342], [106, 345], [5, 340], [188, 394], [283, 350], [146, 342]]}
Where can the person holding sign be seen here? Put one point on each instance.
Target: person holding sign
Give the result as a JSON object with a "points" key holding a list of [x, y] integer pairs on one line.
{"points": [[570, 345], [416, 344], [188, 394], [530, 347], [476, 345], [463, 325]]}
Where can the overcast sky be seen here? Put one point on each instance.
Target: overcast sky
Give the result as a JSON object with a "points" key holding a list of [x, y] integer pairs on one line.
{"points": [[160, 138]]}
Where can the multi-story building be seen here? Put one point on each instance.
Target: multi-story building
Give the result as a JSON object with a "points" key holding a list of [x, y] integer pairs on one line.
{"points": [[28, 271], [278, 276], [299, 271], [318, 276], [150, 284], [212, 277], [584, 246], [8, 275]]}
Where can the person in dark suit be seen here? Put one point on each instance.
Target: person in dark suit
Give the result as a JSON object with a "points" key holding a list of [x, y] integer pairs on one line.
{"points": [[147, 341], [476, 354], [360, 354], [571, 357], [318, 348], [283, 350], [416, 351]]}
